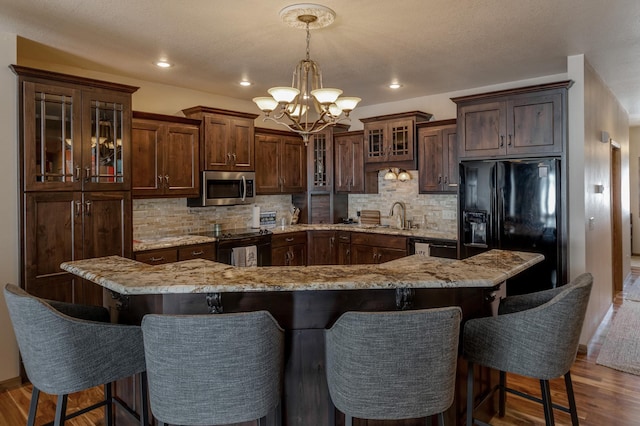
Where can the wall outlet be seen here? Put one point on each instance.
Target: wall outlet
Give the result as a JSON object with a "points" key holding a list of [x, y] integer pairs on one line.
{"points": [[449, 214]]}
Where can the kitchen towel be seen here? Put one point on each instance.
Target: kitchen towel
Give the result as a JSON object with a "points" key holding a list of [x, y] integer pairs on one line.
{"points": [[255, 218], [422, 249], [239, 256], [251, 256]]}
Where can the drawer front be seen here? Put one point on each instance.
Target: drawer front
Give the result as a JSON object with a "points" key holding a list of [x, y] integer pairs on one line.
{"points": [[344, 237], [200, 251], [379, 240], [281, 240], [157, 257]]}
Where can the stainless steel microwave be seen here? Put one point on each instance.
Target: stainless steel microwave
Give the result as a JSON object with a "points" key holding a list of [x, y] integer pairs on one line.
{"points": [[225, 189]]}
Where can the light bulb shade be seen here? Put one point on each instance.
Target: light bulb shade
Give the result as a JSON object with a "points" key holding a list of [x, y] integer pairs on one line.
{"points": [[284, 94], [326, 96], [347, 103], [390, 175], [404, 176], [334, 110], [265, 103], [296, 110]]}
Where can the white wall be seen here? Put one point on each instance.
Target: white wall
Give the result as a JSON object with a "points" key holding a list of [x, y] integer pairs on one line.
{"points": [[634, 184], [9, 264]]}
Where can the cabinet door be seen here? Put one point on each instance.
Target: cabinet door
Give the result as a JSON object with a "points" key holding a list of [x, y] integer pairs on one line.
{"points": [[363, 254], [482, 129], [106, 140], [147, 175], [280, 256], [268, 153], [375, 149], [384, 254], [400, 140], [322, 248], [241, 149], [430, 157], [349, 167], [215, 150], [534, 124], [181, 161], [52, 137], [292, 165], [450, 158], [320, 162], [53, 234], [297, 255]]}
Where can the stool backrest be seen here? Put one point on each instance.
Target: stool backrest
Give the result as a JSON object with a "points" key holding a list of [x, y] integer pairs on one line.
{"points": [[213, 369], [393, 365]]}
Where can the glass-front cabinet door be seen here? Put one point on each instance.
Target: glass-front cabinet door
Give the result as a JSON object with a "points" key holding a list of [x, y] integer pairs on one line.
{"points": [[321, 163], [106, 143], [52, 137]]}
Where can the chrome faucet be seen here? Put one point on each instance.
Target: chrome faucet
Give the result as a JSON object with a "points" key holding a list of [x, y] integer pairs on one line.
{"points": [[403, 212]]}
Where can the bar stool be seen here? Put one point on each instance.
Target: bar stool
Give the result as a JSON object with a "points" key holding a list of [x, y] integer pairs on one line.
{"points": [[68, 348], [534, 335], [393, 365], [213, 369]]}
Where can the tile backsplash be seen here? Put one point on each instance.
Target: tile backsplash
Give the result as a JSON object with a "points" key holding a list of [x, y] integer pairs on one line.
{"points": [[166, 217]]}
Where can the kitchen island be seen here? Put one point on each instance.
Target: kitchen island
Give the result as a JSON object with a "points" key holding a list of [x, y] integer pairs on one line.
{"points": [[305, 301]]}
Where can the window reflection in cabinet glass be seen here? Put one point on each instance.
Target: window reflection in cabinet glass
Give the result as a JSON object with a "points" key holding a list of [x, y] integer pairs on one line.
{"points": [[106, 142], [320, 160], [54, 138]]}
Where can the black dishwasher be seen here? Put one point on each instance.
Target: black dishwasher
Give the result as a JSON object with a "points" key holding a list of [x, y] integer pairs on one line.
{"points": [[437, 247]]}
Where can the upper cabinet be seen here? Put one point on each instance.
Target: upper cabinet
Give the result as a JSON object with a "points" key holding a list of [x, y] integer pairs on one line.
{"points": [[226, 138], [75, 132], [281, 167], [518, 122], [390, 139], [438, 157], [349, 163], [166, 153]]}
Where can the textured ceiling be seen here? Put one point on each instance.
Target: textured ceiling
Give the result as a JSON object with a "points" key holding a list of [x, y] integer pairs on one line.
{"points": [[430, 46]]}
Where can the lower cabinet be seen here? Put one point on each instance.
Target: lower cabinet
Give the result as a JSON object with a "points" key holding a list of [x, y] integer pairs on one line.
{"points": [[344, 248], [323, 248], [176, 254], [289, 249], [376, 248]]}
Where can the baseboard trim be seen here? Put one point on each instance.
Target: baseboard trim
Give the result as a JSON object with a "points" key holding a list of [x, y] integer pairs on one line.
{"points": [[9, 384], [582, 349]]}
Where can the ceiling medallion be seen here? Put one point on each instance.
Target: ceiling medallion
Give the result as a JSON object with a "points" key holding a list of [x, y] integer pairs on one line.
{"points": [[306, 107]]}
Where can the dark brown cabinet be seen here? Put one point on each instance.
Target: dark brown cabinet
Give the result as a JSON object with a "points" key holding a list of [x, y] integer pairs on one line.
{"points": [[529, 121], [344, 248], [72, 225], [281, 163], [390, 139], [75, 167], [322, 247], [226, 138], [289, 249], [177, 254], [166, 154], [438, 157], [376, 248], [349, 163]]}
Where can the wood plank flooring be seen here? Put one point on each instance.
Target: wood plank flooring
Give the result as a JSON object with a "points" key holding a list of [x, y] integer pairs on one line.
{"points": [[604, 396]]}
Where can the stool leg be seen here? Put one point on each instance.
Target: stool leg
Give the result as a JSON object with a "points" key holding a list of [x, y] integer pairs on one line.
{"points": [[571, 398], [546, 402], [108, 408], [61, 410], [33, 406], [348, 420], [144, 400], [502, 397], [441, 419], [470, 394]]}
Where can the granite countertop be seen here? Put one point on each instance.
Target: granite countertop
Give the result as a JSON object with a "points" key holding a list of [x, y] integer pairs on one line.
{"points": [[184, 240], [126, 276]]}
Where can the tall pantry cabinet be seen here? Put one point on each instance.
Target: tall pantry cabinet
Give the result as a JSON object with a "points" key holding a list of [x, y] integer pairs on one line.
{"points": [[75, 179]]}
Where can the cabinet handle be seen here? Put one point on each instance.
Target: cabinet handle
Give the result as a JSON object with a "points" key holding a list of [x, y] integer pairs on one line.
{"points": [[235, 158], [228, 158], [446, 180], [288, 239], [197, 253], [156, 259], [78, 208], [332, 240], [77, 173], [160, 180], [509, 143], [87, 174], [439, 178], [88, 205], [166, 180], [501, 141]]}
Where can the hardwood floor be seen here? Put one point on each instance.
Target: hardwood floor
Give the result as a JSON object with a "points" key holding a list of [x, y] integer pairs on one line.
{"points": [[604, 396]]}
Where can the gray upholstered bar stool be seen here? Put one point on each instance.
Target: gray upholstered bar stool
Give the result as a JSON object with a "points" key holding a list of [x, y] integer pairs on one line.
{"points": [[68, 348], [213, 369], [393, 365], [534, 335]]}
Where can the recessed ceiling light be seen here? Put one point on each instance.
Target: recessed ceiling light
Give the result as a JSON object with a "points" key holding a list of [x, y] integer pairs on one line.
{"points": [[395, 86], [245, 83], [164, 64]]}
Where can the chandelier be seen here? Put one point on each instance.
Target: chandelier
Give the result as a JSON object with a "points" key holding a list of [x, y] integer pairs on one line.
{"points": [[306, 107]]}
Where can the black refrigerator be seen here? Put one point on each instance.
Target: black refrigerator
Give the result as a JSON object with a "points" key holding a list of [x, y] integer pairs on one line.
{"points": [[515, 205]]}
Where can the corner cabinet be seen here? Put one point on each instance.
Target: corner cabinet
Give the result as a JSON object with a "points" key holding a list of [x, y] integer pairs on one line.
{"points": [[438, 157], [226, 138], [529, 121], [166, 153], [75, 168], [281, 165], [390, 139]]}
